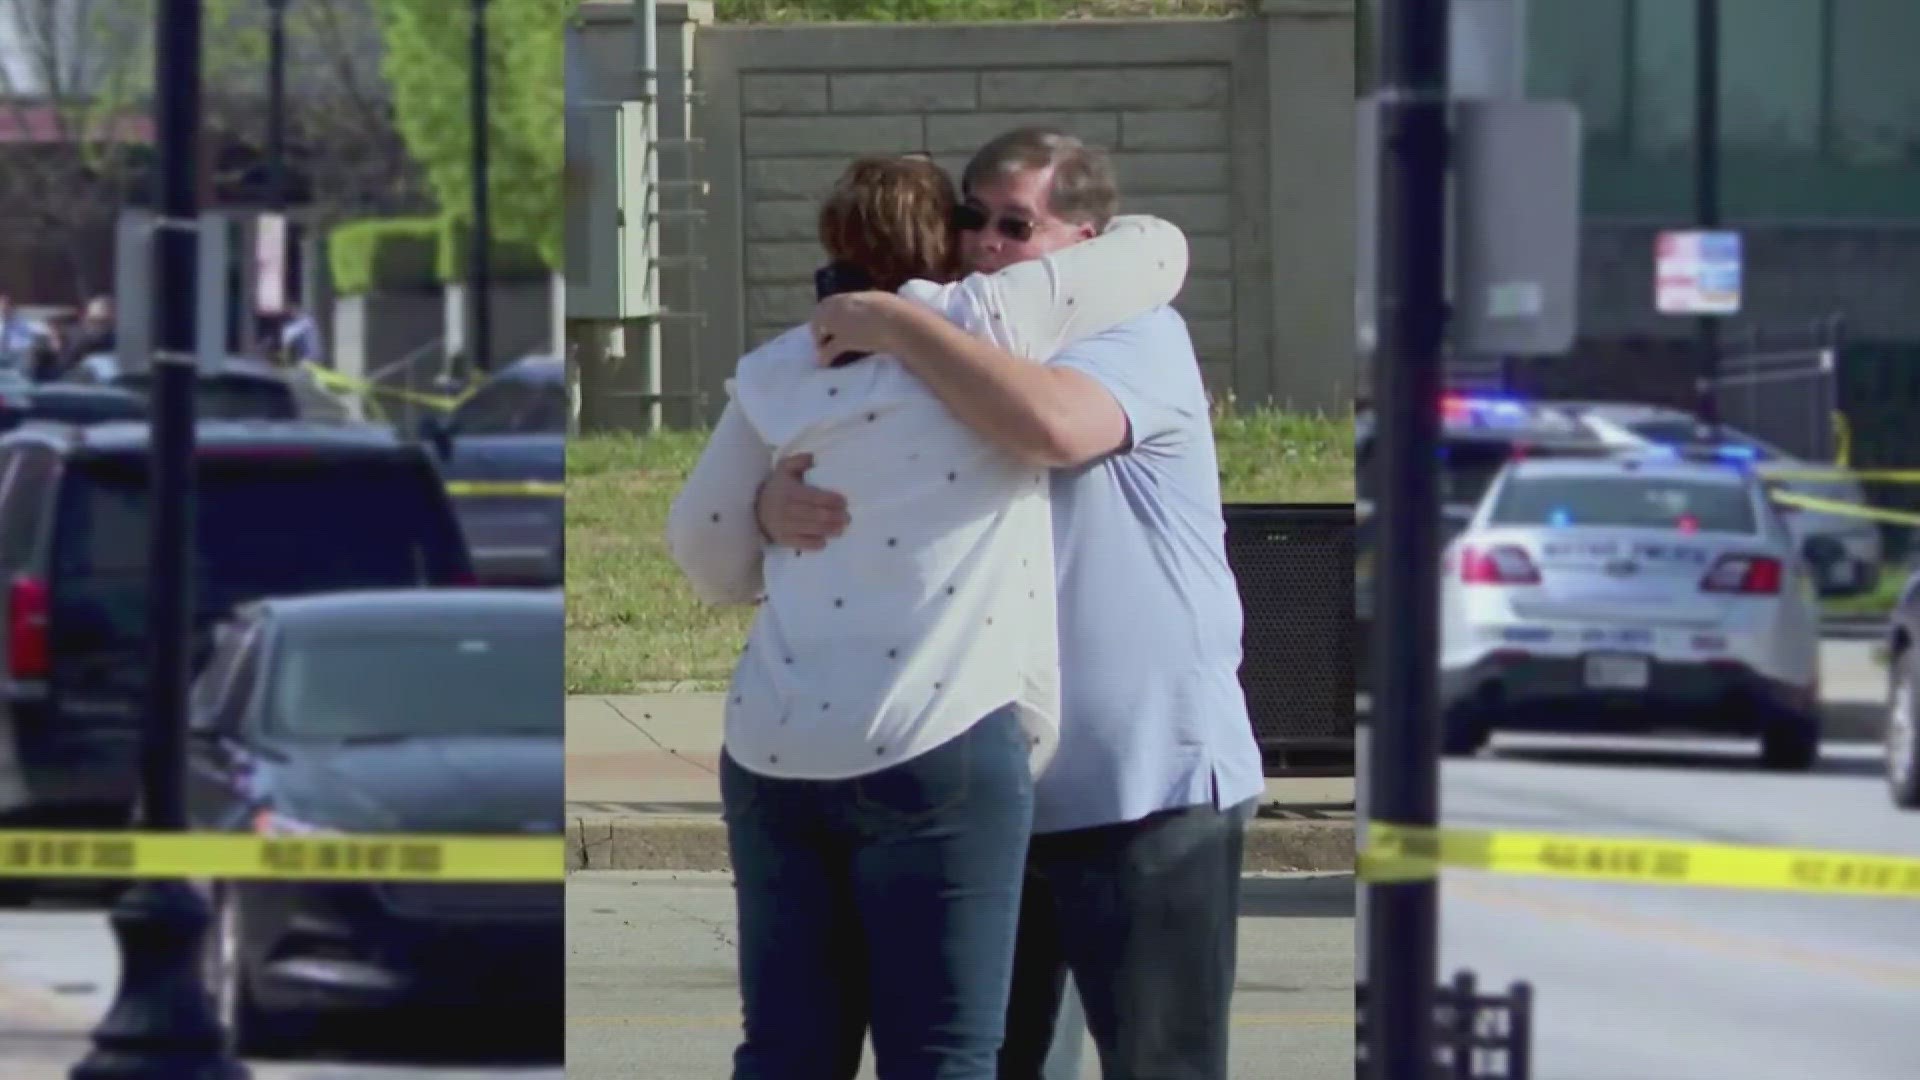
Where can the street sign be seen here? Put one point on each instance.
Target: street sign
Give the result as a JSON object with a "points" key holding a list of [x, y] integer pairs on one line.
{"points": [[1516, 227], [270, 264], [1697, 273], [1514, 206]]}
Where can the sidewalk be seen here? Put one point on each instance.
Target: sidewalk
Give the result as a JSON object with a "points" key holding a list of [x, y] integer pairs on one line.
{"points": [[643, 793]]}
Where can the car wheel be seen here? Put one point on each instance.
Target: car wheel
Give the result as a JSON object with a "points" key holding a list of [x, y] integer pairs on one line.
{"points": [[251, 1030], [1463, 732], [1790, 744], [1903, 732]]}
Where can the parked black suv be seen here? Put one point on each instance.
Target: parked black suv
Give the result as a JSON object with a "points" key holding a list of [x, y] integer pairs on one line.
{"points": [[67, 403], [235, 388], [281, 508]]}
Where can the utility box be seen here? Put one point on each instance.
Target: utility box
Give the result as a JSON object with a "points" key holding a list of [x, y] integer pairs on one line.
{"points": [[612, 246]]}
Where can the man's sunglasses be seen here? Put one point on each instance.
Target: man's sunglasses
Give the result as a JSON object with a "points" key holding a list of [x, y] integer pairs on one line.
{"points": [[970, 218]]}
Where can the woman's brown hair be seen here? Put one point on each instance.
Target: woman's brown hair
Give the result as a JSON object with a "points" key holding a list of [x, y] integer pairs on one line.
{"points": [[893, 218]]}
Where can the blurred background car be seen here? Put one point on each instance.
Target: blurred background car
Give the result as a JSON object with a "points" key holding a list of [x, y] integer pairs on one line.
{"points": [[238, 388], [511, 431], [67, 403], [411, 711], [281, 509], [1634, 594], [1903, 696], [1845, 552], [1479, 436]]}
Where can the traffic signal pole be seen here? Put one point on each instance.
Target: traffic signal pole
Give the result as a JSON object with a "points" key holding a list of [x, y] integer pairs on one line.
{"points": [[1403, 763]]}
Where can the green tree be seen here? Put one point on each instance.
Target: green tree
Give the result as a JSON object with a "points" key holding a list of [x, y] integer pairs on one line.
{"points": [[426, 67]]}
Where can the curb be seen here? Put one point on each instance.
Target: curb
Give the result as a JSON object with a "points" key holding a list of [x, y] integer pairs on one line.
{"points": [[700, 843]]}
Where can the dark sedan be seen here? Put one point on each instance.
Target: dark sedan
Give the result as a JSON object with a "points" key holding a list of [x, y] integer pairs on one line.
{"points": [[511, 433], [1903, 696], [383, 712]]}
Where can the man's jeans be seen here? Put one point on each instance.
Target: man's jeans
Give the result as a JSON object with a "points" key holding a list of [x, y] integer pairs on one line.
{"points": [[1143, 915], [889, 900]]}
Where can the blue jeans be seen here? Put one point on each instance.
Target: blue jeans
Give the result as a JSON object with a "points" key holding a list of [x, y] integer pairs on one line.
{"points": [[887, 902]]}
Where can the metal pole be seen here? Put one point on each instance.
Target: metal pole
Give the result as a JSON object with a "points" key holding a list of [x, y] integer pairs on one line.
{"points": [[1403, 922], [162, 1023], [277, 104], [649, 345], [479, 277], [1706, 192]]}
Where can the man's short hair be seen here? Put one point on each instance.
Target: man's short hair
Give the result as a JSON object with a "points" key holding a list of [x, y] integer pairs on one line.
{"points": [[1084, 190]]}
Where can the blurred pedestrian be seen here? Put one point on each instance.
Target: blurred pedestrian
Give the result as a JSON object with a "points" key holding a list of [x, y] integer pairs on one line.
{"points": [[299, 337], [899, 688], [94, 334], [21, 338]]}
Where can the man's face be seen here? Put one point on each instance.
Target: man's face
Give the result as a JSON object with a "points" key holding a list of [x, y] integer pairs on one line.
{"points": [[1019, 226]]}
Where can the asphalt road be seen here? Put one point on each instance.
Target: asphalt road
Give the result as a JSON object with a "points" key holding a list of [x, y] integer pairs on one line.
{"points": [[651, 993], [59, 969], [1693, 983]]}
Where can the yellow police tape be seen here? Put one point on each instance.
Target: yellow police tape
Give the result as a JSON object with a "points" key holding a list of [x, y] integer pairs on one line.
{"points": [[1401, 853], [341, 383], [1845, 509], [248, 857], [493, 489]]}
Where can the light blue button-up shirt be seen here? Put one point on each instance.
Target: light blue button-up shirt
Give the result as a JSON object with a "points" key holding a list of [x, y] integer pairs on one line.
{"points": [[1152, 714]]}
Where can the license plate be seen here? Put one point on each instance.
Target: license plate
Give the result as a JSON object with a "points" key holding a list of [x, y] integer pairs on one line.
{"points": [[1617, 672]]}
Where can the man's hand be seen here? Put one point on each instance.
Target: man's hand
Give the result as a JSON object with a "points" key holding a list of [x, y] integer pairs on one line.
{"points": [[857, 322], [794, 515]]}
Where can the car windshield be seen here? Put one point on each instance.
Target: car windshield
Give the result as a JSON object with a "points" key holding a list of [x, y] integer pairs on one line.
{"points": [[476, 676], [231, 398], [73, 409], [1629, 502], [1684, 433], [1467, 468], [264, 526], [515, 406]]}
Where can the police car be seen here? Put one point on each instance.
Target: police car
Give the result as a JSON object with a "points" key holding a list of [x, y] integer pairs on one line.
{"points": [[1479, 434], [1627, 594], [1844, 550]]}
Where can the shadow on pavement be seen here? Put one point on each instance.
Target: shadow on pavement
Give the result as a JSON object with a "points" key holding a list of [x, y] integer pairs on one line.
{"points": [[469, 1040], [1743, 760], [1320, 896]]}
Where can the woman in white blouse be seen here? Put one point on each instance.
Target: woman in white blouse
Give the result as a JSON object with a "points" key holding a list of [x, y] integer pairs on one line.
{"points": [[899, 688]]}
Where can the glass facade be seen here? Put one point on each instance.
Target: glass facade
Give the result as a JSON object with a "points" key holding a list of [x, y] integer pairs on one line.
{"points": [[1820, 104]]}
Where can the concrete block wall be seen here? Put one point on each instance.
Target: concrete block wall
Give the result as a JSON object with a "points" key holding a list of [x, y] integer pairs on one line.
{"points": [[1238, 130], [1168, 130]]}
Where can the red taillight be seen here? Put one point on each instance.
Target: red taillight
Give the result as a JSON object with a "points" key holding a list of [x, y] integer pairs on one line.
{"points": [[27, 656], [463, 579], [1501, 565], [1752, 575]]}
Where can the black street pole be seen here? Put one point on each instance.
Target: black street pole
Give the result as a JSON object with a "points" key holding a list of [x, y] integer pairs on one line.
{"points": [[277, 104], [162, 1025], [1403, 766], [1706, 191], [479, 283]]}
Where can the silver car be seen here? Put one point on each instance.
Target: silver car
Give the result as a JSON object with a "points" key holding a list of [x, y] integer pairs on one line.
{"points": [[1844, 551], [1625, 595]]}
